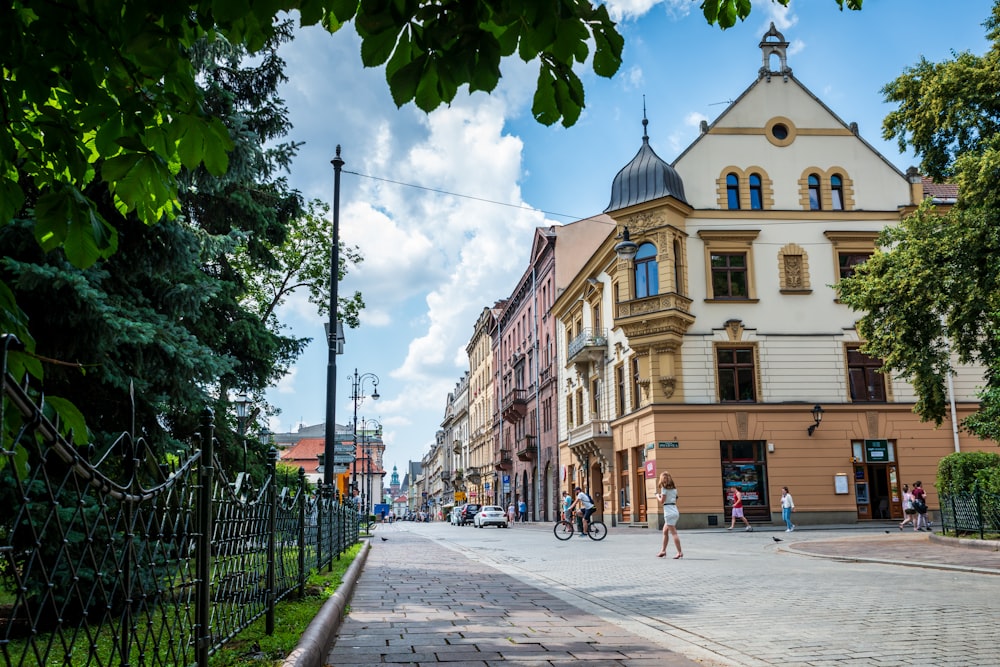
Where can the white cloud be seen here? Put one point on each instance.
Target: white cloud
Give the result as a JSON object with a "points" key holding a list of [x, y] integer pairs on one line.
{"points": [[632, 78], [782, 16]]}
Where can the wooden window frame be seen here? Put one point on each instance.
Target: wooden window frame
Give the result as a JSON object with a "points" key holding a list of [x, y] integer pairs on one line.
{"points": [[730, 242], [754, 368]]}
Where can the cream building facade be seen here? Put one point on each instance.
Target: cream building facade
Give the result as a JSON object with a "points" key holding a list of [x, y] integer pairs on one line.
{"points": [[719, 351]]}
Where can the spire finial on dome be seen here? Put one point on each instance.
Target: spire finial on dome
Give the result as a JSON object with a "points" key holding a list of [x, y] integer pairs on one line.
{"points": [[645, 136]]}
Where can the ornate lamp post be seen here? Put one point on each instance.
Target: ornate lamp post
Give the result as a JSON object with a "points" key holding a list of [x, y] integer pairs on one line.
{"points": [[368, 427], [242, 404], [358, 396]]}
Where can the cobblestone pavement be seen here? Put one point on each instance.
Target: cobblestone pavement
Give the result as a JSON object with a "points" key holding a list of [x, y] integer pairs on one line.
{"points": [[417, 603], [736, 598]]}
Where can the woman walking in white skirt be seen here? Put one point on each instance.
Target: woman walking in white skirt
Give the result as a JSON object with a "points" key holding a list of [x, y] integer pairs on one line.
{"points": [[668, 496]]}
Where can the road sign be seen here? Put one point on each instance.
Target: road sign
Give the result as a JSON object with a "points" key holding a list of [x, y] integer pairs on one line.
{"points": [[343, 449]]}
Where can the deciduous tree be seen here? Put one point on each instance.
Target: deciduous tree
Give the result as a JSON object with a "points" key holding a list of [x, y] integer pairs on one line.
{"points": [[933, 288]]}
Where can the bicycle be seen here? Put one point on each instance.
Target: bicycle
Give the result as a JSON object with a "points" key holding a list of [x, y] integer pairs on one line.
{"points": [[596, 530]]}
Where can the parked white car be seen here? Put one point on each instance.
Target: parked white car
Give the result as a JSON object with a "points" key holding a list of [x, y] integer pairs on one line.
{"points": [[455, 518], [490, 515]]}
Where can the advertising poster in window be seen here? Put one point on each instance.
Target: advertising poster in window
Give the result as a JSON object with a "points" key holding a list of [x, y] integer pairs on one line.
{"points": [[745, 477]]}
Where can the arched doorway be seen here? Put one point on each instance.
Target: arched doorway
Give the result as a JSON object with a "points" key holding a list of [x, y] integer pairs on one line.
{"points": [[597, 488]]}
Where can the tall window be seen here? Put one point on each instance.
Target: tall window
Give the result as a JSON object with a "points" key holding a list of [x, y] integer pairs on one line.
{"points": [[756, 193], [678, 285], [635, 383], [569, 411], [733, 191], [729, 276], [595, 316], [867, 383], [647, 281], [736, 375], [849, 261], [814, 192], [595, 396], [620, 389], [837, 192]]}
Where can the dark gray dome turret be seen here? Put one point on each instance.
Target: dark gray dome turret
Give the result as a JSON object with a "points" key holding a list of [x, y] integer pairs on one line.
{"points": [[645, 178]]}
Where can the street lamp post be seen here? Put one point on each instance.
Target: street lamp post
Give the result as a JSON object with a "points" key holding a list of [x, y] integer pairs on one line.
{"points": [[332, 333], [358, 395], [367, 427], [242, 404]]}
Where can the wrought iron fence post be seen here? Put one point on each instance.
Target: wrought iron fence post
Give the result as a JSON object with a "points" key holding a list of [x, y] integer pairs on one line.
{"points": [[128, 556], [333, 519], [320, 506], [206, 472], [302, 531], [977, 500], [272, 525]]}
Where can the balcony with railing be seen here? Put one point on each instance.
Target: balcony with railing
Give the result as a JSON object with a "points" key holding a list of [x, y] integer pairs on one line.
{"points": [[457, 447], [504, 462], [515, 405], [472, 474], [527, 448], [597, 431], [589, 345]]}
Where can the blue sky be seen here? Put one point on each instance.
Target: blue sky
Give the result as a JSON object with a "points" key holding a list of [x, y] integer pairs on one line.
{"points": [[433, 261]]}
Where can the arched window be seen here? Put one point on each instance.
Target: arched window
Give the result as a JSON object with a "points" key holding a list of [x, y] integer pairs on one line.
{"points": [[733, 191], [814, 192], [837, 192], [756, 193], [647, 281]]}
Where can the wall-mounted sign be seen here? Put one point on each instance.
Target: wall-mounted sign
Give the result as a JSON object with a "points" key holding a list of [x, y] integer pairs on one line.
{"points": [[650, 469], [877, 451], [668, 445], [840, 483]]}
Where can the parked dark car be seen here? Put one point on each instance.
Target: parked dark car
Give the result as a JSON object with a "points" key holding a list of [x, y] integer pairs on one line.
{"points": [[468, 513]]}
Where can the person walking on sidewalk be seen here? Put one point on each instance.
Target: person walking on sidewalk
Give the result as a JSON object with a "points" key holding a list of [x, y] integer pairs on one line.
{"points": [[522, 510], [510, 513], [738, 510], [667, 495], [920, 504], [787, 507], [909, 514]]}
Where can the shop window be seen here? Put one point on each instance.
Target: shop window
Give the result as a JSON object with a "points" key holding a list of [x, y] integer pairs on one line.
{"points": [[733, 191], [744, 467], [736, 374], [867, 384], [647, 280]]}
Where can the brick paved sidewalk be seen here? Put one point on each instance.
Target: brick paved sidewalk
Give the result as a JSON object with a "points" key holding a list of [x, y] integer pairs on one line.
{"points": [[916, 550], [419, 603]]}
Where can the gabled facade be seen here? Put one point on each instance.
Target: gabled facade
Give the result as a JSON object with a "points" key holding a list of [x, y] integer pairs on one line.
{"points": [[726, 341]]}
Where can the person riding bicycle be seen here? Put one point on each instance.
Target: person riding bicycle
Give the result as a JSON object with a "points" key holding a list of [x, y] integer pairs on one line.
{"points": [[583, 508]]}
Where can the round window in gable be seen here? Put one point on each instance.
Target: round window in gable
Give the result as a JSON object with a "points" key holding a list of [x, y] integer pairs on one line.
{"points": [[780, 131]]}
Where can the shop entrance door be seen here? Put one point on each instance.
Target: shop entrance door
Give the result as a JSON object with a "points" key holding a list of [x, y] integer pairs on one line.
{"points": [[639, 486], [877, 491]]}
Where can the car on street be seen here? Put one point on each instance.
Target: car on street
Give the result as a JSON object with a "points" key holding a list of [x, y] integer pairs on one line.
{"points": [[469, 513], [491, 515], [455, 517]]}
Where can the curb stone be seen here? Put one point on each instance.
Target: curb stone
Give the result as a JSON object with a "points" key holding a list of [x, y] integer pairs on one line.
{"points": [[321, 632]]}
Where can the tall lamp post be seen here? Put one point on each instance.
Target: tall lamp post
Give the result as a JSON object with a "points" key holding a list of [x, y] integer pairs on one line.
{"points": [[333, 337], [367, 427], [242, 404], [358, 395]]}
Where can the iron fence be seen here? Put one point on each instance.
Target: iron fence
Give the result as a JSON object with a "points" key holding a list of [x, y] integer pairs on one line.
{"points": [[162, 566], [970, 512]]}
